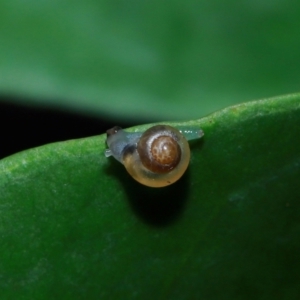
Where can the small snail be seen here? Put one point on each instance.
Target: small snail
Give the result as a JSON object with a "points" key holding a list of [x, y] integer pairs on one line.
{"points": [[157, 157]]}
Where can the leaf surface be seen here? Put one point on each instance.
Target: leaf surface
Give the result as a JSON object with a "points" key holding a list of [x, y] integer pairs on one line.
{"points": [[74, 225]]}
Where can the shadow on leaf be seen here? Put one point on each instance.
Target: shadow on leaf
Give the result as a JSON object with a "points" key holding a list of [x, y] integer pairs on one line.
{"points": [[156, 206]]}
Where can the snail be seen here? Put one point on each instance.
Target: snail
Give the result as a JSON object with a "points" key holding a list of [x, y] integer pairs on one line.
{"points": [[157, 157]]}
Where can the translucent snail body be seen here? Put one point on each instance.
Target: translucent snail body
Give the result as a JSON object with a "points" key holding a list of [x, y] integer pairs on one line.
{"points": [[156, 158]]}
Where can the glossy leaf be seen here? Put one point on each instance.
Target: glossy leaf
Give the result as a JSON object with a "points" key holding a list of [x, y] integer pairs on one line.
{"points": [[74, 225]]}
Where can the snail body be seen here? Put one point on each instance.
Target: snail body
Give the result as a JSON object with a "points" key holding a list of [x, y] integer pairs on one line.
{"points": [[156, 158]]}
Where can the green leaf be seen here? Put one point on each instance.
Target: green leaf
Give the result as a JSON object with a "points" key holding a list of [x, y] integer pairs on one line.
{"points": [[74, 225], [148, 59]]}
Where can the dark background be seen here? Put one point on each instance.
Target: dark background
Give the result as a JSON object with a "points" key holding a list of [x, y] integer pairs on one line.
{"points": [[24, 127]]}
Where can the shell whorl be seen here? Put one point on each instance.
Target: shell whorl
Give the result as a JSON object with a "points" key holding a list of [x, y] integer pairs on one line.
{"points": [[159, 149]]}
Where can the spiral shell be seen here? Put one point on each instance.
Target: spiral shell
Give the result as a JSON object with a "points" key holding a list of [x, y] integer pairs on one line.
{"points": [[156, 158], [160, 158]]}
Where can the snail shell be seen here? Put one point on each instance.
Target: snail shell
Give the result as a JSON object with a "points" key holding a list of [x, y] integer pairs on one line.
{"points": [[156, 158]]}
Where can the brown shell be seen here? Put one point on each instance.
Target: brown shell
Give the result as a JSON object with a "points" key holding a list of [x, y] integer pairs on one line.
{"points": [[160, 158], [159, 150]]}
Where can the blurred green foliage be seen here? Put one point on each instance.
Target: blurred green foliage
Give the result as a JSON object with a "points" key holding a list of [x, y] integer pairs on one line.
{"points": [[154, 59]]}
